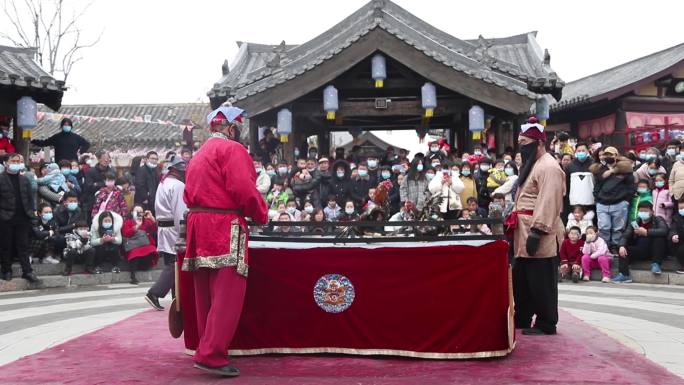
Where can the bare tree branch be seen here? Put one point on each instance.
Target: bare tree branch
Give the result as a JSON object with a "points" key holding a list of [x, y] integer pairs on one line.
{"points": [[50, 32]]}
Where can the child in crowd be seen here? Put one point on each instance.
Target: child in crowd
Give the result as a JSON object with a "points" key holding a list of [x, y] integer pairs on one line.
{"points": [[466, 214], [595, 255], [580, 218], [643, 194], [662, 200], [497, 176], [332, 211], [47, 241], [496, 211], [291, 209], [277, 195], [475, 210], [571, 256], [78, 249]]}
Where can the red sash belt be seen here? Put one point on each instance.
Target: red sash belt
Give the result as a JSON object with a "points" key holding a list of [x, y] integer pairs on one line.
{"points": [[511, 221]]}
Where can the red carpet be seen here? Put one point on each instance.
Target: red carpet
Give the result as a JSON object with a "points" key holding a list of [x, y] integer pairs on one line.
{"points": [[139, 351]]}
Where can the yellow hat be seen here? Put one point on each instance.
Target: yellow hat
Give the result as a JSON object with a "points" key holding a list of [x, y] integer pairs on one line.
{"points": [[611, 150]]}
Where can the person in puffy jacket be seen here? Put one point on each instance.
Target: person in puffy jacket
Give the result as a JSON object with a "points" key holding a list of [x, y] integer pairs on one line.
{"points": [[613, 190], [595, 255]]}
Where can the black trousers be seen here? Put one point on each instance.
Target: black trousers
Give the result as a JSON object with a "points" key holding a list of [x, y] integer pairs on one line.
{"points": [[167, 279], [655, 251], [87, 258], [14, 243], [140, 263], [535, 290], [107, 253]]}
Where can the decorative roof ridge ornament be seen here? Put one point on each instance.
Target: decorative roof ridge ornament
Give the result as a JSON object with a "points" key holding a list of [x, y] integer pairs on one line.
{"points": [[225, 69], [378, 9], [278, 51]]}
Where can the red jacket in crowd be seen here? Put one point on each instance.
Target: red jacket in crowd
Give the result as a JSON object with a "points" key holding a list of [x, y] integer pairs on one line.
{"points": [[571, 253]]}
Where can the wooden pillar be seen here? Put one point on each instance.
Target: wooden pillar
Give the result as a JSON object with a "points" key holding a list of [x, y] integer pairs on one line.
{"points": [[253, 135]]}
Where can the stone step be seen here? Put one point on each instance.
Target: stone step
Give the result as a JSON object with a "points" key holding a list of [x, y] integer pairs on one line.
{"points": [[43, 269], [74, 280]]}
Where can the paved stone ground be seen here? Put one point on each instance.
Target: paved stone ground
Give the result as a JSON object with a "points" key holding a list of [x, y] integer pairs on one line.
{"points": [[646, 318]]}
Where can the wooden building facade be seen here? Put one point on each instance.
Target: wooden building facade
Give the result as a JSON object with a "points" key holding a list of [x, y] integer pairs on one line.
{"points": [[635, 105]]}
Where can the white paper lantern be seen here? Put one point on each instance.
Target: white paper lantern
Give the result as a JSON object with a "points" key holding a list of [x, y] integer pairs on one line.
{"points": [[542, 107], [284, 124], [476, 119], [330, 102], [379, 70], [428, 94], [27, 113]]}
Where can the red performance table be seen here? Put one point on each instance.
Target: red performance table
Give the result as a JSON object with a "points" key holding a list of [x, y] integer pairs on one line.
{"points": [[443, 300]]}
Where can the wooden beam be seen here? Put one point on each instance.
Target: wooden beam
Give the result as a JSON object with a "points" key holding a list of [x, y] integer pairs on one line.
{"points": [[367, 108]]}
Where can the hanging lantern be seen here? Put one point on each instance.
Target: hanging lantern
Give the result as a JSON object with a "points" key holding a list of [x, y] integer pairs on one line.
{"points": [[284, 124], [428, 94], [476, 121], [330, 102], [27, 116], [379, 70], [542, 108]]}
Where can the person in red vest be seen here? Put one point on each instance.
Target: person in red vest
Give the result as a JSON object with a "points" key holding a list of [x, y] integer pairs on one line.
{"points": [[220, 192], [6, 146]]}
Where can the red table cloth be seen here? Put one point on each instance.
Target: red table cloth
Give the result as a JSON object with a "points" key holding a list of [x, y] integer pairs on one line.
{"points": [[428, 300]]}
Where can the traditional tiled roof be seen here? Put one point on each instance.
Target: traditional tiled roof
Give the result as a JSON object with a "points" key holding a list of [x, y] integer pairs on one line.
{"points": [[20, 72], [516, 64], [120, 125], [620, 80]]}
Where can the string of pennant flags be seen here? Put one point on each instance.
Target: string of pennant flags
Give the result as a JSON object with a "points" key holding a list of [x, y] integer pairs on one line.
{"points": [[57, 117]]}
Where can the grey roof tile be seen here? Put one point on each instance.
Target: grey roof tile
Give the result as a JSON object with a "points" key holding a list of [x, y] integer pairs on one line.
{"points": [[114, 124], [624, 76], [18, 69], [513, 59]]}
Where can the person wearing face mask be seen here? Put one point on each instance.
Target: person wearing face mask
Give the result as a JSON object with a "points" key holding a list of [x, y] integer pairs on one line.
{"points": [[670, 154], [78, 249], [510, 187], [482, 172], [6, 146], [470, 184], [68, 213], [595, 255], [579, 180], [662, 200], [613, 190], [303, 184], [373, 170], [95, 179], [676, 235], [537, 232], [643, 194], [341, 181], [67, 144], [448, 187], [106, 239], [139, 231], [435, 153], [293, 211], [645, 238], [47, 243], [17, 207], [394, 194], [110, 198], [307, 211], [349, 214], [147, 181], [71, 180], [649, 169], [263, 182], [415, 184], [361, 184], [323, 187]]}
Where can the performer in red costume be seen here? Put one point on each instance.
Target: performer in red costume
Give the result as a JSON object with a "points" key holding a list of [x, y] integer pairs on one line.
{"points": [[220, 192]]}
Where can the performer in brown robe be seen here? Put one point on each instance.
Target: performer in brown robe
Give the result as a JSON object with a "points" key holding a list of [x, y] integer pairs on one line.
{"points": [[538, 234]]}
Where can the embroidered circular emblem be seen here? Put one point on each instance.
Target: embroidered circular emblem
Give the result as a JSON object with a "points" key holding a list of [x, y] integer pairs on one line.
{"points": [[333, 293]]}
